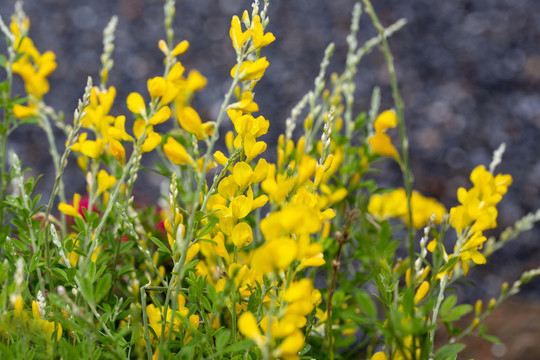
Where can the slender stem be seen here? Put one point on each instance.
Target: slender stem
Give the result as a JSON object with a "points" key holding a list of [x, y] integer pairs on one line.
{"points": [[145, 322], [63, 163], [404, 163], [342, 238], [7, 120]]}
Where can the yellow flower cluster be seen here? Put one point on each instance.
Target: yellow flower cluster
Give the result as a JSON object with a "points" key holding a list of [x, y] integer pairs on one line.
{"points": [[394, 204], [36, 324], [477, 212], [155, 321], [32, 66], [286, 338]]}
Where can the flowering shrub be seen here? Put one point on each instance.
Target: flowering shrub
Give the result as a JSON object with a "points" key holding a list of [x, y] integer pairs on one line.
{"points": [[241, 258]]}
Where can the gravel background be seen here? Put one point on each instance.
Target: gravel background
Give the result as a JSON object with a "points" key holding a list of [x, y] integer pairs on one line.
{"points": [[469, 73]]}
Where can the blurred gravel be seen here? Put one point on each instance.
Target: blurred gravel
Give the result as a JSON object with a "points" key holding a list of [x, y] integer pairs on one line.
{"points": [[469, 73]]}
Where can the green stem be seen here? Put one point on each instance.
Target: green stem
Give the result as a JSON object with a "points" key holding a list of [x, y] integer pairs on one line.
{"points": [[7, 121], [145, 322], [404, 163], [63, 163]]}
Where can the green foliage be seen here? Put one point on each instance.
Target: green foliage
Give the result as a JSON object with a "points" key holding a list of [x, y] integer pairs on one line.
{"points": [[240, 259]]}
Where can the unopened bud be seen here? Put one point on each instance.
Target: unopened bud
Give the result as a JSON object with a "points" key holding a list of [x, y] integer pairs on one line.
{"points": [[491, 304], [478, 307], [504, 288]]}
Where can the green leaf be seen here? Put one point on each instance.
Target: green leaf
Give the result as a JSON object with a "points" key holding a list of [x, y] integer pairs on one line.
{"points": [[448, 304], [449, 351], [449, 265], [103, 287], [222, 339], [87, 289], [160, 245], [491, 338], [457, 312], [240, 346], [91, 271], [366, 304], [212, 221], [61, 274], [205, 303]]}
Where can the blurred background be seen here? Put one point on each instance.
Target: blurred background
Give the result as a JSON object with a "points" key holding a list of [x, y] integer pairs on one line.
{"points": [[469, 73]]}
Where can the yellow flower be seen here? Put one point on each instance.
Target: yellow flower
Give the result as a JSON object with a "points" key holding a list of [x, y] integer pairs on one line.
{"points": [[246, 103], [156, 87], [71, 210], [190, 121], [153, 139], [176, 153], [242, 235], [387, 119], [259, 39], [23, 112], [394, 204], [422, 291], [247, 324], [250, 70], [90, 148], [292, 344], [135, 103], [180, 48], [105, 181], [380, 142], [379, 356], [238, 36], [382, 145], [162, 115], [275, 254]]}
